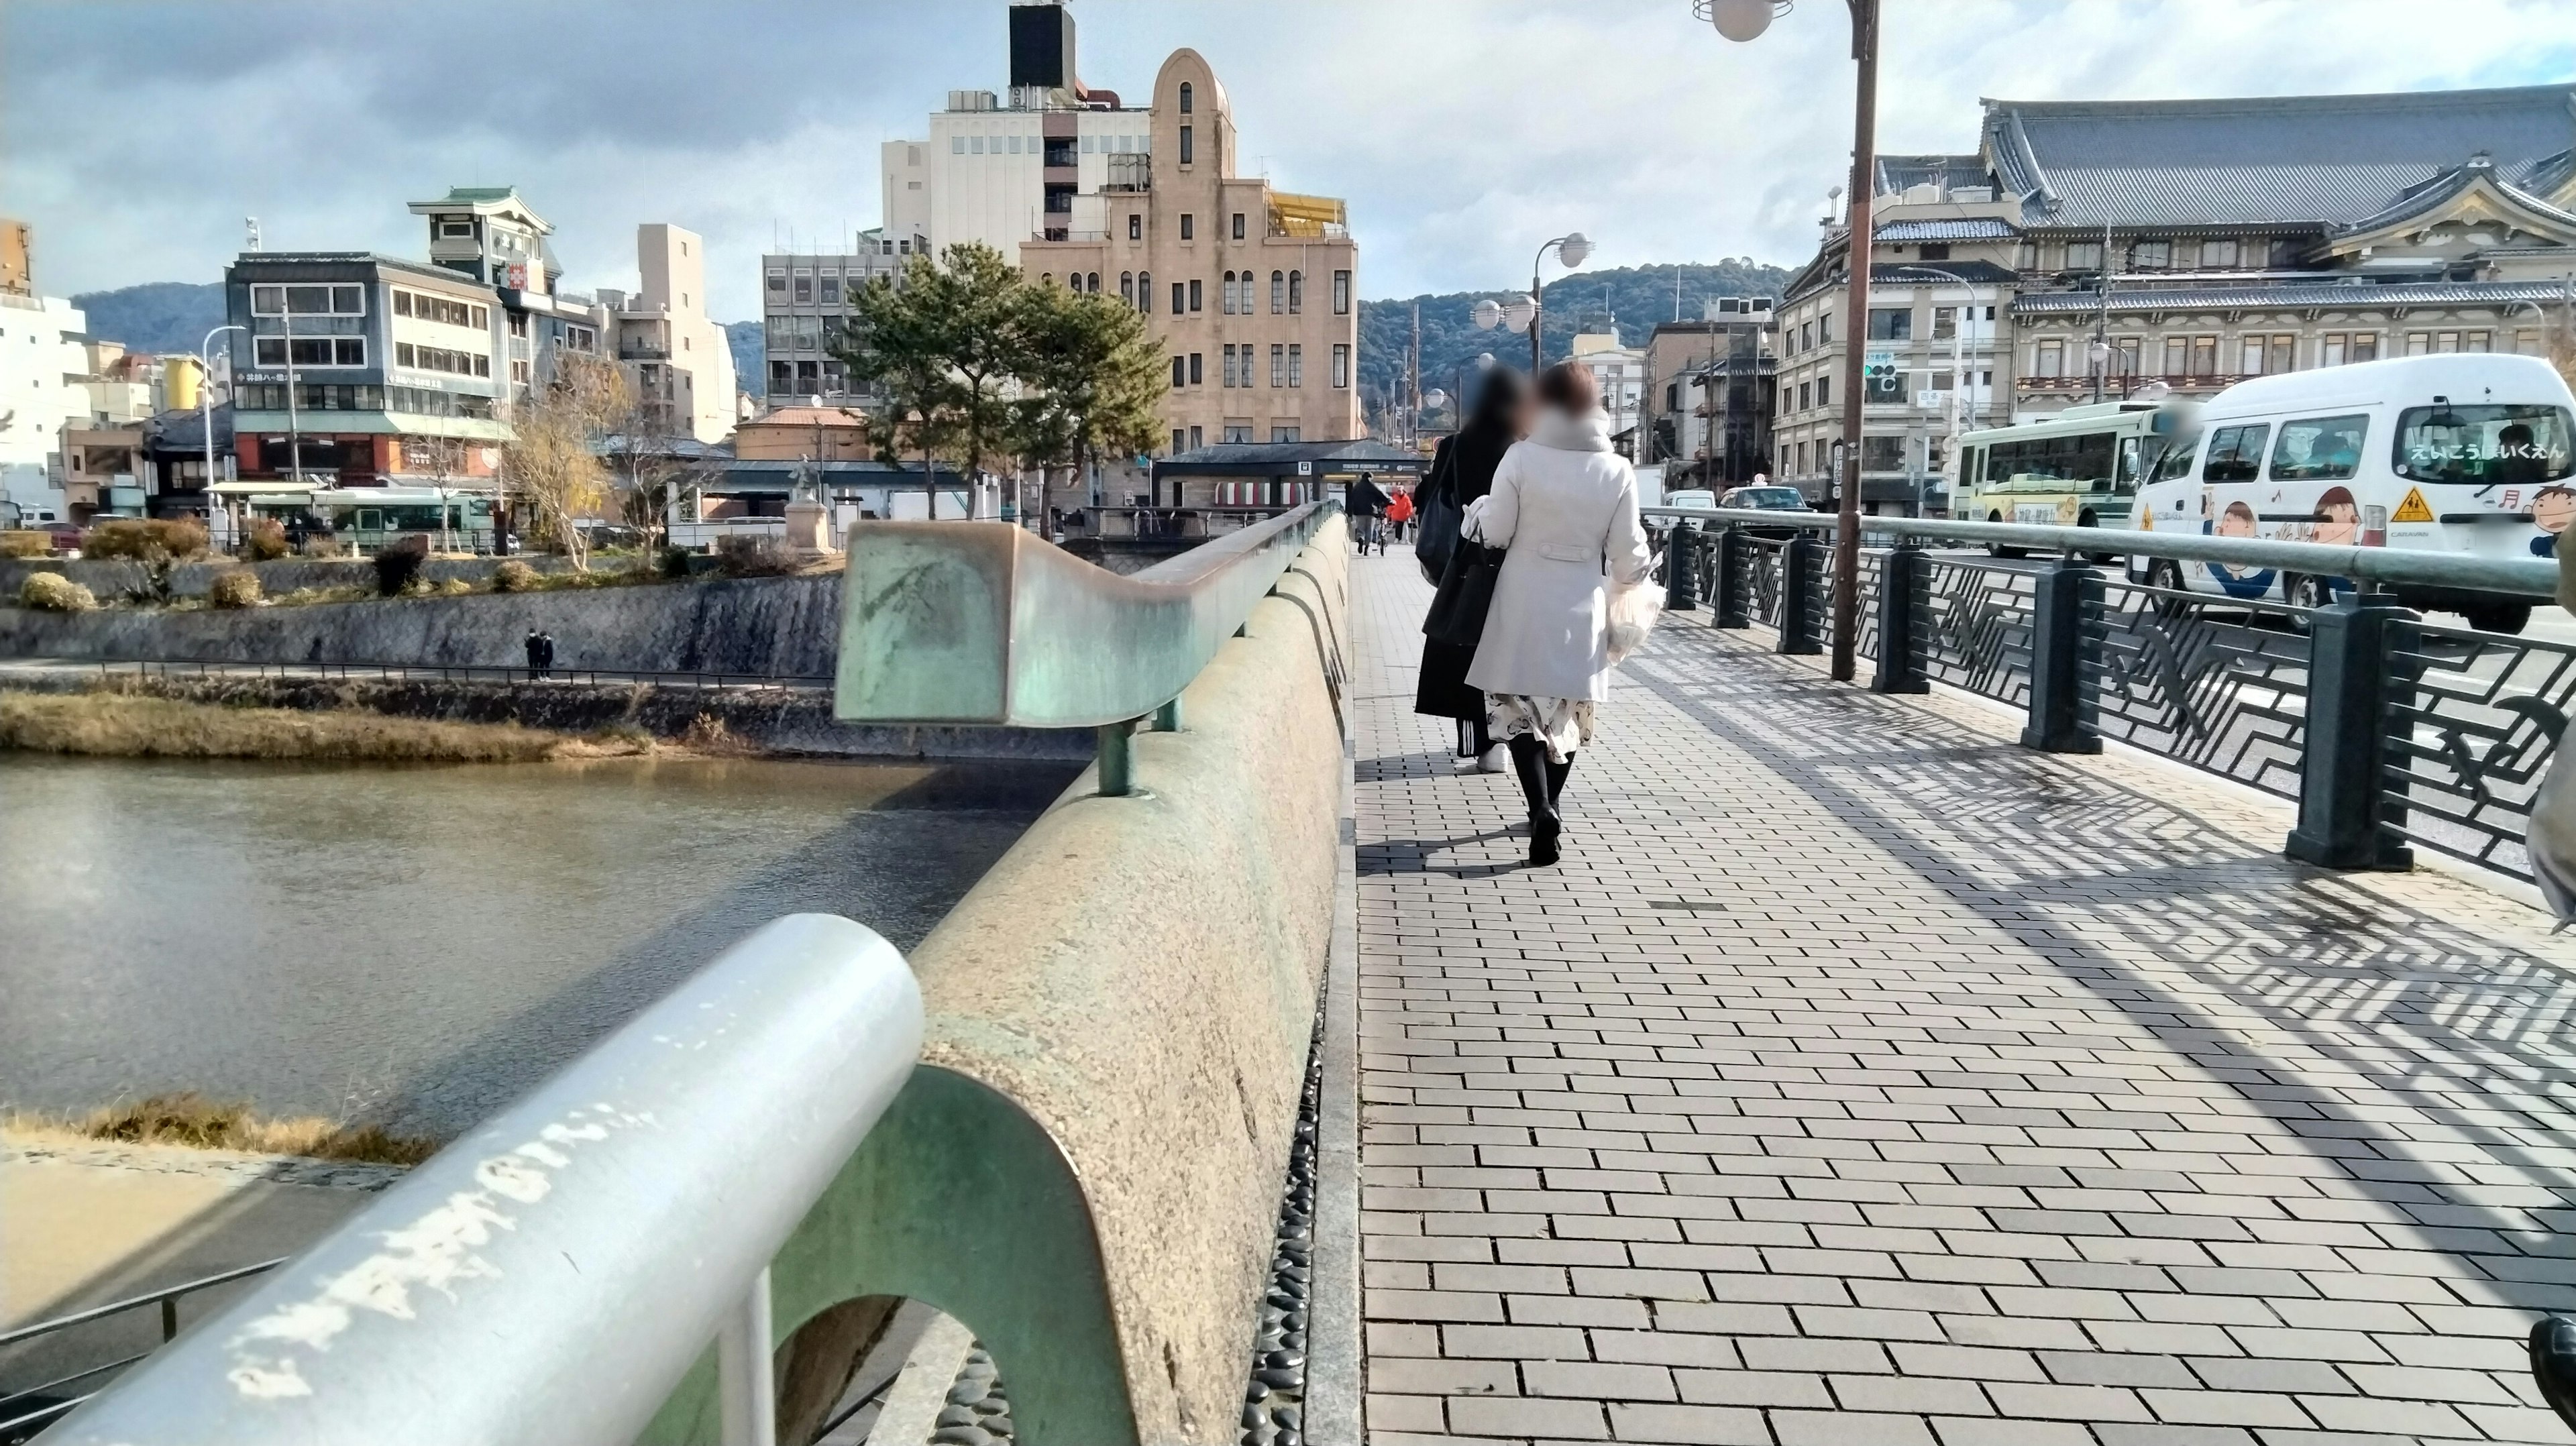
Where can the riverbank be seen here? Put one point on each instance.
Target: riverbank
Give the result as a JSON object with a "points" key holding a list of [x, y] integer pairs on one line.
{"points": [[118, 725]]}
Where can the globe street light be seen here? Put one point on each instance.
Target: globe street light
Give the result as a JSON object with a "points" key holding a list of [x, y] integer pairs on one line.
{"points": [[1570, 250], [206, 407], [1743, 20]]}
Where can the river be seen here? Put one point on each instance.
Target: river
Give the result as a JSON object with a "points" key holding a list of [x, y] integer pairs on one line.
{"points": [[419, 945]]}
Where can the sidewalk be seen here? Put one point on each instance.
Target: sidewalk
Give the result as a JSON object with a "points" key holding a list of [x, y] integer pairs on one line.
{"points": [[1862, 1077]]}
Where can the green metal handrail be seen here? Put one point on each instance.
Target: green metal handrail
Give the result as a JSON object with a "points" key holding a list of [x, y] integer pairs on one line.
{"points": [[986, 623]]}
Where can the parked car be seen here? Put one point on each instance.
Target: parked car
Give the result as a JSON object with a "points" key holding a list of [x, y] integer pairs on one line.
{"points": [[1767, 499]]}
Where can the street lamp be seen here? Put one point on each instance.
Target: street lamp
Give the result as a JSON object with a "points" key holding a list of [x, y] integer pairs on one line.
{"points": [[1570, 250], [1743, 20], [206, 397]]}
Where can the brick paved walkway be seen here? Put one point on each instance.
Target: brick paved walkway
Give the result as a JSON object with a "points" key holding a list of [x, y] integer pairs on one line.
{"points": [[1860, 1077]]}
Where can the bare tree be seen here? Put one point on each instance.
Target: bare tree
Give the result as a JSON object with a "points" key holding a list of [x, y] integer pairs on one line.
{"points": [[555, 462]]}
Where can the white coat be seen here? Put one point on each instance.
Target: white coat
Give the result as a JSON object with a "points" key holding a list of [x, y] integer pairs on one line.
{"points": [[1564, 508]]}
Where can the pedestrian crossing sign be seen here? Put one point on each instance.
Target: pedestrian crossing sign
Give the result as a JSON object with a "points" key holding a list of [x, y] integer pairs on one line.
{"points": [[2413, 508]]}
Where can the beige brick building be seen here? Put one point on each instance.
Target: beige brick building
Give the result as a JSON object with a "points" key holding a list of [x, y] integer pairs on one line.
{"points": [[1253, 292]]}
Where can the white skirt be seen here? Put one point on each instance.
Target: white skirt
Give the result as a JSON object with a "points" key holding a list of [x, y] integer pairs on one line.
{"points": [[1562, 724]]}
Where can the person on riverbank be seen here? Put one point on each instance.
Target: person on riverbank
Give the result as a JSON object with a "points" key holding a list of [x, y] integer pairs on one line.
{"points": [[1564, 509], [1462, 472]]}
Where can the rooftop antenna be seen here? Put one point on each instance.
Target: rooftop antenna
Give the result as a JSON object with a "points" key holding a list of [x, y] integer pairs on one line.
{"points": [[250, 225]]}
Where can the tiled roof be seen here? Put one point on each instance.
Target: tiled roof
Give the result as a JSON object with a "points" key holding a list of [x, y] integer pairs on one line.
{"points": [[2319, 160], [1976, 228], [1896, 173], [1899, 273], [2289, 298], [2434, 193]]}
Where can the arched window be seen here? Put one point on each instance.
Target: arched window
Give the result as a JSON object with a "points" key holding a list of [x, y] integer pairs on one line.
{"points": [[1185, 97], [1095, 283], [1278, 292], [1227, 305], [1047, 276], [1296, 292], [1127, 287], [1145, 291]]}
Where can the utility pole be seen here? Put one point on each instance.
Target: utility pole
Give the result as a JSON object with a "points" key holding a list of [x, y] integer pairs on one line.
{"points": [[1864, 18], [1416, 378]]}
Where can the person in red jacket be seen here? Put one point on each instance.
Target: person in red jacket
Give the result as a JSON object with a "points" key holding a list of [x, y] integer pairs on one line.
{"points": [[1399, 512]]}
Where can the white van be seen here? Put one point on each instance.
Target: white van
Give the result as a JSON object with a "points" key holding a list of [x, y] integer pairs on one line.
{"points": [[2472, 453]]}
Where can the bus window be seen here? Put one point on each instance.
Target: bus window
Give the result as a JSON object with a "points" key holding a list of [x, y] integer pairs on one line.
{"points": [[2125, 481], [2484, 444], [2319, 449], [1969, 458], [2235, 453]]}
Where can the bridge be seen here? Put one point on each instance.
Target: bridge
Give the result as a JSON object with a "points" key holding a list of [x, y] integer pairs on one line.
{"points": [[2119, 1019]]}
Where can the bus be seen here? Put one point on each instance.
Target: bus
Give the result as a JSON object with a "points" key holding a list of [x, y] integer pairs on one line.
{"points": [[2080, 468], [2471, 453], [369, 517]]}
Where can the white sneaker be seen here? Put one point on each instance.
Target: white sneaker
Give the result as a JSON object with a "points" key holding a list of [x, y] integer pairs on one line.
{"points": [[1496, 759]]}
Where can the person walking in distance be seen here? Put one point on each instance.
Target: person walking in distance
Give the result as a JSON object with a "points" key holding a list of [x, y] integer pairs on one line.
{"points": [[1564, 510], [1399, 511], [545, 655], [1462, 473], [536, 656]]}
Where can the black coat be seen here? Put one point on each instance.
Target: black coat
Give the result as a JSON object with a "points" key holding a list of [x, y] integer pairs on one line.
{"points": [[1365, 499], [1441, 689]]}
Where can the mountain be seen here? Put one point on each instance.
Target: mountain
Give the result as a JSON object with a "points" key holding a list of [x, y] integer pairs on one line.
{"points": [[1637, 297], [158, 316], [745, 339]]}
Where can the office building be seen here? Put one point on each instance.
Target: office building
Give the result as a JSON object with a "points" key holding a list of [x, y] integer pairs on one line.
{"points": [[1705, 408], [807, 301], [43, 361]]}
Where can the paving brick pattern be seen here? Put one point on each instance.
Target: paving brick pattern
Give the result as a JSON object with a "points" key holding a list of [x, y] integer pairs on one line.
{"points": [[1861, 1077]]}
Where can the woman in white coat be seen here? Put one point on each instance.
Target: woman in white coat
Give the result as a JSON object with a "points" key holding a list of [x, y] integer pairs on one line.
{"points": [[1564, 509]]}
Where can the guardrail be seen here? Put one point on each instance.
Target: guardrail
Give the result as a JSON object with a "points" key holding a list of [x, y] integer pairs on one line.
{"points": [[974, 622], [552, 1277], [435, 672], [28, 1407], [2388, 731]]}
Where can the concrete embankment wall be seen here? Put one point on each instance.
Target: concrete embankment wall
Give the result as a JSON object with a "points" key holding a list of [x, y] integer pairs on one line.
{"points": [[111, 578], [1132, 988], [772, 627]]}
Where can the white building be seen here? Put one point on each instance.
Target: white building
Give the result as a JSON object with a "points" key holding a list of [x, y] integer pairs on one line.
{"points": [[1620, 372], [677, 361], [1008, 168], [42, 366]]}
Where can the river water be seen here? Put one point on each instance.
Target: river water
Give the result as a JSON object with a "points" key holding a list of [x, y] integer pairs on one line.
{"points": [[420, 945]]}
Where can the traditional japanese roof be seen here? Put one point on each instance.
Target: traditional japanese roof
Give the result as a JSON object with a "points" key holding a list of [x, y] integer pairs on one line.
{"points": [[2319, 160], [1974, 228], [2471, 190], [1981, 273], [2328, 296], [1900, 173]]}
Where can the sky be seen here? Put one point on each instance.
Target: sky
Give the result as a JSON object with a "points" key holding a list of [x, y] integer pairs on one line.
{"points": [[136, 136]]}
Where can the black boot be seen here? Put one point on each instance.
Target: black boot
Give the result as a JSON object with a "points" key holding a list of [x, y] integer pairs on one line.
{"points": [[2553, 1364], [1529, 760]]}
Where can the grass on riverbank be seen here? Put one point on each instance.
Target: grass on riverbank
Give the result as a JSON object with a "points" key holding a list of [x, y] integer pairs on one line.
{"points": [[121, 726], [192, 1121]]}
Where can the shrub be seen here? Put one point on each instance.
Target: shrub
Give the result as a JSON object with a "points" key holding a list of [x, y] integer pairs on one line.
{"points": [[398, 565], [514, 576], [675, 562], [267, 540], [51, 592], [158, 540], [741, 556], [455, 587], [234, 587], [25, 544], [323, 544]]}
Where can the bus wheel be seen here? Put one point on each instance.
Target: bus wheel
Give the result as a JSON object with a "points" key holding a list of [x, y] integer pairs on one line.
{"points": [[1997, 548], [2100, 559], [2500, 617], [2165, 575]]}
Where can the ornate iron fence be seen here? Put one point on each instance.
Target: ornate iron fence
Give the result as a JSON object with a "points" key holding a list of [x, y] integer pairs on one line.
{"points": [[2472, 720]]}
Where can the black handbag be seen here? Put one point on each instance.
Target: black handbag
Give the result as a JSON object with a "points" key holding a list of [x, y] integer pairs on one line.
{"points": [[1438, 518], [1457, 615]]}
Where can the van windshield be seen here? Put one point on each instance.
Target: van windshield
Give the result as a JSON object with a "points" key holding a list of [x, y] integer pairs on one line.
{"points": [[2485, 444]]}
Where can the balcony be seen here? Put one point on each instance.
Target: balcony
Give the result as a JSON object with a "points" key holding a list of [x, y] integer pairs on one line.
{"points": [[1129, 174]]}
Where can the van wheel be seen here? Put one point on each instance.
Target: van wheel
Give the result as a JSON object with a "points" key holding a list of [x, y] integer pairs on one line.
{"points": [[2302, 590], [1997, 548], [2509, 618], [2165, 575]]}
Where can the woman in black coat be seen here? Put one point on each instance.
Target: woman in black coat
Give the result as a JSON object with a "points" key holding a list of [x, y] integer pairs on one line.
{"points": [[1463, 470]]}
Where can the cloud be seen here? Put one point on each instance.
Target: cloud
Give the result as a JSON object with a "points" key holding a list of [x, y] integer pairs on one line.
{"points": [[1463, 132]]}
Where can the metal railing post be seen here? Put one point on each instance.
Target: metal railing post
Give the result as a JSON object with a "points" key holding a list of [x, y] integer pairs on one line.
{"points": [[1167, 719], [1118, 759], [2354, 702], [2065, 658], [1904, 617], [1733, 595], [1681, 574], [744, 1379], [1802, 602]]}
